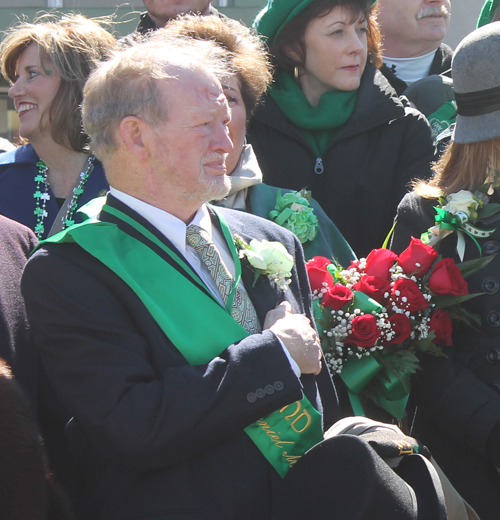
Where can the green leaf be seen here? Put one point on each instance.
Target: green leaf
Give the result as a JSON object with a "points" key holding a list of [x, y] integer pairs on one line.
{"points": [[461, 313], [306, 194], [473, 266], [488, 210], [258, 272], [401, 363], [450, 299], [388, 237]]}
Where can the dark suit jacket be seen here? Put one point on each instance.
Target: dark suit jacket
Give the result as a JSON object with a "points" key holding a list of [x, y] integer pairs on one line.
{"points": [[17, 241], [154, 437]]}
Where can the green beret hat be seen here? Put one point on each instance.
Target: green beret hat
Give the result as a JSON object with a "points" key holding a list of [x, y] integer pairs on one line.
{"points": [[277, 13], [487, 12]]}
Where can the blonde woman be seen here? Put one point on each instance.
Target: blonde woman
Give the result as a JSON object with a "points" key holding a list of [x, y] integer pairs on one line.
{"points": [[46, 180]]}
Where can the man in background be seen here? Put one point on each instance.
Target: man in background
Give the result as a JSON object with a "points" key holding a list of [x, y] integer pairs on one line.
{"points": [[159, 12], [412, 36]]}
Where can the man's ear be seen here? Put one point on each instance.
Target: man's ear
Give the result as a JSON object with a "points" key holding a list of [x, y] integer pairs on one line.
{"points": [[133, 130]]}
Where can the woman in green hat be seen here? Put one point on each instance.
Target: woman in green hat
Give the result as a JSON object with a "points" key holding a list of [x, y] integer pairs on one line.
{"points": [[331, 121]]}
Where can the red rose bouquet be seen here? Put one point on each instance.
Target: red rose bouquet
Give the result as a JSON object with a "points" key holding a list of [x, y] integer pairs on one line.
{"points": [[374, 316]]}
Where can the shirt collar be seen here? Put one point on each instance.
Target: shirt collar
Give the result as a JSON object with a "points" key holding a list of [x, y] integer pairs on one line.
{"points": [[170, 226]]}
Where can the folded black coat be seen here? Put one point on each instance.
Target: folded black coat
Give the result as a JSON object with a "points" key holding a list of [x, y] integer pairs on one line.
{"points": [[343, 478]]}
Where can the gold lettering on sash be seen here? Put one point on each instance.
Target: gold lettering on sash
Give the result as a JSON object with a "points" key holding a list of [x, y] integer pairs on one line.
{"points": [[275, 436], [291, 459], [297, 410], [272, 434], [305, 414]]}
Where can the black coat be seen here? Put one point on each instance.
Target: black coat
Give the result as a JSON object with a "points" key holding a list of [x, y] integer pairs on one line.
{"points": [[17, 242], [458, 398], [441, 64], [153, 436], [367, 167]]}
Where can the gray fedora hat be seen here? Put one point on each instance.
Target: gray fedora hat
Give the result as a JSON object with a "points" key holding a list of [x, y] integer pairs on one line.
{"points": [[476, 77]]}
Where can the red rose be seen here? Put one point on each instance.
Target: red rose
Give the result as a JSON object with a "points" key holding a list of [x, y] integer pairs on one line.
{"points": [[379, 261], [337, 296], [446, 278], [364, 332], [401, 327], [417, 253], [373, 287], [441, 325], [318, 273], [407, 295]]}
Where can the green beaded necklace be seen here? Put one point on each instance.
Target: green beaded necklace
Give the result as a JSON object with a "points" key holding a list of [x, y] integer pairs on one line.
{"points": [[41, 197], [77, 191]]}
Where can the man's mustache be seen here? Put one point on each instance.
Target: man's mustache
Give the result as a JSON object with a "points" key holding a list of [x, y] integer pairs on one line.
{"points": [[432, 10]]}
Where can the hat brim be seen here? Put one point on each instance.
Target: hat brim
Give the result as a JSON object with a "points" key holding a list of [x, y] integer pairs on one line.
{"points": [[475, 129]]}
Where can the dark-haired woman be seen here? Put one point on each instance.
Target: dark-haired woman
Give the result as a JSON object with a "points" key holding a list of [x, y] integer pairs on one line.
{"points": [[457, 399], [331, 121], [44, 182]]}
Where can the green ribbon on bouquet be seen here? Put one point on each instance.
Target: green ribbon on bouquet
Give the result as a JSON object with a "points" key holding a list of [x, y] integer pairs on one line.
{"points": [[357, 373]]}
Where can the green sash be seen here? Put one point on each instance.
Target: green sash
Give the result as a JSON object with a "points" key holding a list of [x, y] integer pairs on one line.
{"points": [[282, 436]]}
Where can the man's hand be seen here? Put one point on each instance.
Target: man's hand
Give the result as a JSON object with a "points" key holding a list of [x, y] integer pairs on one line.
{"points": [[296, 333]]}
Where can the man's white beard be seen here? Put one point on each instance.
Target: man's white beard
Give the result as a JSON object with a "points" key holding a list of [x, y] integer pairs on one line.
{"points": [[211, 188]]}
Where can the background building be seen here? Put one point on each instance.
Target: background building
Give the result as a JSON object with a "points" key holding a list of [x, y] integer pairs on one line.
{"points": [[465, 13]]}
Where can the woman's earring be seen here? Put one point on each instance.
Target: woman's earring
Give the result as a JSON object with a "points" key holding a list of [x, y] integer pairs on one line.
{"points": [[296, 73]]}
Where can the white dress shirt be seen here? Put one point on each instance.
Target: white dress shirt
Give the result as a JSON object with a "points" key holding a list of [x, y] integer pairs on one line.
{"points": [[412, 69]]}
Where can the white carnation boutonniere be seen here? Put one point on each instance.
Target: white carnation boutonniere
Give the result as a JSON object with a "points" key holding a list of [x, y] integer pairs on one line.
{"points": [[268, 258]]}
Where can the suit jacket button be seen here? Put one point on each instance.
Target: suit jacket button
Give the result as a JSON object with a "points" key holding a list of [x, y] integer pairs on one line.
{"points": [[251, 397], [260, 393], [279, 386], [490, 285], [490, 247], [493, 319], [269, 389], [493, 355], [496, 386]]}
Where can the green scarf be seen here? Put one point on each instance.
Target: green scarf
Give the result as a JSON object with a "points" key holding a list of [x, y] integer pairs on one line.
{"points": [[282, 436], [317, 125]]}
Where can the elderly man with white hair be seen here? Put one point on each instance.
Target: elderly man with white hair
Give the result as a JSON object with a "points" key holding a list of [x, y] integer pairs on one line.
{"points": [[412, 40]]}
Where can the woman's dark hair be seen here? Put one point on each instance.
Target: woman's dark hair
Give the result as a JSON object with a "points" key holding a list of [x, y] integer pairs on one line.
{"points": [[291, 37]]}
